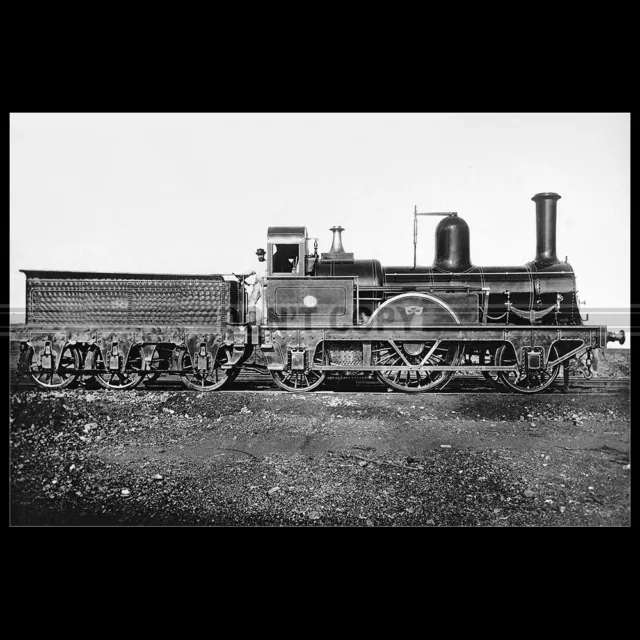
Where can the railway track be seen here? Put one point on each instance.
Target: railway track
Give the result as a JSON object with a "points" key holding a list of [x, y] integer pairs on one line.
{"points": [[459, 384], [253, 381]]}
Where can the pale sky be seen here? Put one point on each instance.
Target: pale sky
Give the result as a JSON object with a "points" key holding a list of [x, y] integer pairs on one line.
{"points": [[195, 193]]}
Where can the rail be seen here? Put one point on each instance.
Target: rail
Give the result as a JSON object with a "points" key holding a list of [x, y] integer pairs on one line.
{"points": [[252, 380]]}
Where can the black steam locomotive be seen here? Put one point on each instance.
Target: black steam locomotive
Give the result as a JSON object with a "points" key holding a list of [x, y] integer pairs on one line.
{"points": [[315, 315]]}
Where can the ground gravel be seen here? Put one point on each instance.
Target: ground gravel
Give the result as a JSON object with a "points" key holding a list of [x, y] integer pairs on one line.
{"points": [[263, 458]]}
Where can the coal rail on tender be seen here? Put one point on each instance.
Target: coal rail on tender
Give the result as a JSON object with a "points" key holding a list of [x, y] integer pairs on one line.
{"points": [[312, 318]]}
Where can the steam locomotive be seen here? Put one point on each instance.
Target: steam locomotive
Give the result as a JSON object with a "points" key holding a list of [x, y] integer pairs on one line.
{"points": [[314, 315]]}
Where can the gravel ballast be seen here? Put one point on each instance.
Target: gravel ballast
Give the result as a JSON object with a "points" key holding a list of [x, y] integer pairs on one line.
{"points": [[263, 458]]}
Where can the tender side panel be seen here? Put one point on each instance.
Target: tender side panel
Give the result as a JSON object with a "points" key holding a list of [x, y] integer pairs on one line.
{"points": [[120, 302]]}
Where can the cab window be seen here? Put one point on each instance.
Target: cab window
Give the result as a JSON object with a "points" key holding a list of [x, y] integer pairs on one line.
{"points": [[285, 258]]}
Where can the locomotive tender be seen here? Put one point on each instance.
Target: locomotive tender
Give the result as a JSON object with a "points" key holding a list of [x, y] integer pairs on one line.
{"points": [[315, 315]]}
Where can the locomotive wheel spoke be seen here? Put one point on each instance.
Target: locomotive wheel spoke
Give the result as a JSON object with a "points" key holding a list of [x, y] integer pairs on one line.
{"points": [[523, 381], [128, 377], [302, 381], [159, 363], [211, 379], [413, 380]]}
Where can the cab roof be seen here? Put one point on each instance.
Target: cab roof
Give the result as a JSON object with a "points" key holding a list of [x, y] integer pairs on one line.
{"points": [[279, 231]]}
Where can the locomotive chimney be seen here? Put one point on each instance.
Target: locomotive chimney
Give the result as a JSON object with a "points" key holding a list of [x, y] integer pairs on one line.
{"points": [[545, 229]]}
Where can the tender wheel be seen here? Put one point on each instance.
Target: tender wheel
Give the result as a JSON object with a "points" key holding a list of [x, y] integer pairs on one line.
{"points": [[524, 381], [128, 377], [210, 379], [56, 377], [91, 355], [416, 381], [300, 380], [160, 362]]}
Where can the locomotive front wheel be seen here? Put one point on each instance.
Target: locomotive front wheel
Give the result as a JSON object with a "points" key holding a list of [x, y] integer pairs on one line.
{"points": [[416, 381], [56, 377], [127, 377], [210, 379], [524, 381]]}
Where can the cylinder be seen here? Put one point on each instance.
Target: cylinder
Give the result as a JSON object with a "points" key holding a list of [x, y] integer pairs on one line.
{"points": [[452, 245], [546, 228]]}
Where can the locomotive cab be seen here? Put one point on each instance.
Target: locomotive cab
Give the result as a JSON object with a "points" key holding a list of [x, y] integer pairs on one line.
{"points": [[287, 252]]}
